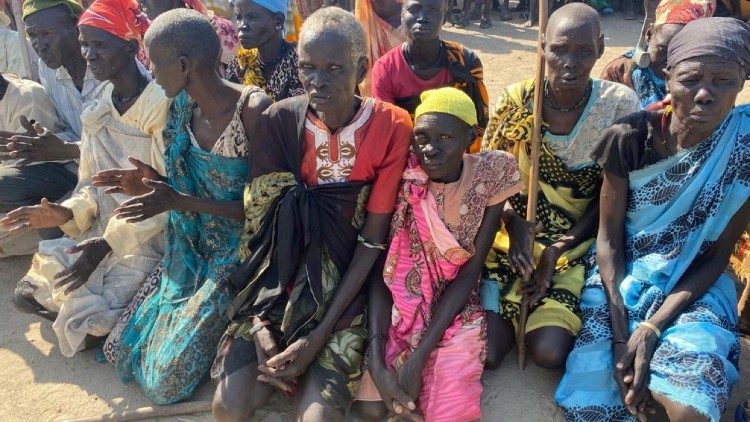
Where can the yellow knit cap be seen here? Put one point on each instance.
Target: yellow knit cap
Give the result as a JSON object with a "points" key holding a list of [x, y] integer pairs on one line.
{"points": [[448, 100]]}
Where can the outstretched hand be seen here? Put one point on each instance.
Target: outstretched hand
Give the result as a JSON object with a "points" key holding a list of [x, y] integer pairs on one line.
{"points": [[127, 181], [92, 252], [45, 215], [37, 145], [161, 198]]}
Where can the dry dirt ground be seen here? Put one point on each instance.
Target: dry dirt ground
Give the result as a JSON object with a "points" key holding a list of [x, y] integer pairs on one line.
{"points": [[39, 384]]}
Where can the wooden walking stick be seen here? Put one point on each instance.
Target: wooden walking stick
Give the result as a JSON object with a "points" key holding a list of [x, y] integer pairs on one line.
{"points": [[31, 71], [536, 135], [150, 412]]}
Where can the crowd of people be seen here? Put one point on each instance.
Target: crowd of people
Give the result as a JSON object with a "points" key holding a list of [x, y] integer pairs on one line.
{"points": [[304, 200]]}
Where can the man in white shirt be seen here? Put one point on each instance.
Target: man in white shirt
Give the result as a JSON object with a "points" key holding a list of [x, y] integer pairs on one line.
{"points": [[47, 154], [11, 60]]}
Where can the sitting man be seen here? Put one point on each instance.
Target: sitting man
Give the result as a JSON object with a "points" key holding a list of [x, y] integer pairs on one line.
{"points": [[324, 174], [83, 281], [49, 169]]}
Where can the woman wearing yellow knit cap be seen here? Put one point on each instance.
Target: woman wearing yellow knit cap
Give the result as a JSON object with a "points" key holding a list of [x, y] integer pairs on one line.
{"points": [[426, 336]]}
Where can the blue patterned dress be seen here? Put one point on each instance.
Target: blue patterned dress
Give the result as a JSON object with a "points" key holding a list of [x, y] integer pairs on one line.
{"points": [[168, 341], [677, 208]]}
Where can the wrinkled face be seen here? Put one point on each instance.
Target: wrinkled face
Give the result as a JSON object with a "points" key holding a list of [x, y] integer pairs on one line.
{"points": [[440, 141], [256, 25], [105, 53], [329, 72], [53, 34], [154, 8], [658, 45], [571, 49], [168, 71], [423, 19], [704, 91]]}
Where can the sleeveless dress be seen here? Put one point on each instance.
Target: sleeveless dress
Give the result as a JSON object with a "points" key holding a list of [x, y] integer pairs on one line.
{"points": [[167, 337]]}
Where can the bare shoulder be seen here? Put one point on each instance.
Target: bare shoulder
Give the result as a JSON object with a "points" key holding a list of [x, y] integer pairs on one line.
{"points": [[257, 102]]}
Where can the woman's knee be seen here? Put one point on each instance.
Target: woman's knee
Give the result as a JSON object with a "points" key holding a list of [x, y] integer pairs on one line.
{"points": [[500, 340], [231, 406], [369, 411], [679, 412], [549, 346]]}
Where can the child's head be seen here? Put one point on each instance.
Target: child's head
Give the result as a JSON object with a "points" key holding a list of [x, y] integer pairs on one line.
{"points": [[444, 126]]}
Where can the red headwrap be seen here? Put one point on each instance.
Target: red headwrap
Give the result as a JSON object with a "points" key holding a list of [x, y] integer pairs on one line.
{"points": [[683, 11], [121, 18]]}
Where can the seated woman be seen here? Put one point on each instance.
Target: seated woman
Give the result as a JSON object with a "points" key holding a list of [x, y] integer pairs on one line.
{"points": [[324, 176], [266, 59], [671, 16], [426, 320], [425, 62], [577, 110], [660, 318], [84, 281], [167, 336]]}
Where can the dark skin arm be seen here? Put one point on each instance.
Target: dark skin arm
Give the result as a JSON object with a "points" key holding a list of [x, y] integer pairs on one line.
{"points": [[610, 256], [540, 278], [380, 303], [38, 144], [451, 304], [294, 361], [697, 280]]}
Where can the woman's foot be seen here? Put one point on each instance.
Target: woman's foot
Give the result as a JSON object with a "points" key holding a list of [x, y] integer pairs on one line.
{"points": [[485, 23], [530, 24]]}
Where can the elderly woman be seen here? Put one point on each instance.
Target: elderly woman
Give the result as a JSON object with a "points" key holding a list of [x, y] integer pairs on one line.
{"points": [[167, 337], [577, 110], [648, 82], [266, 59], [426, 62], [323, 182], [84, 281], [426, 320], [660, 319]]}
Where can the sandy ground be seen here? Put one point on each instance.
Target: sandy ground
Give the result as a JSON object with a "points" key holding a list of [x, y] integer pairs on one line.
{"points": [[39, 384]]}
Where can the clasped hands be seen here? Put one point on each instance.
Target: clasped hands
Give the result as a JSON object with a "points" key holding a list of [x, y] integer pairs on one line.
{"points": [[632, 359], [37, 144]]}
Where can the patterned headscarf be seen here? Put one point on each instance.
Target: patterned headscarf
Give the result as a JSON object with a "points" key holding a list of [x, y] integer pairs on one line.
{"points": [[121, 18], [32, 6], [683, 11], [725, 38]]}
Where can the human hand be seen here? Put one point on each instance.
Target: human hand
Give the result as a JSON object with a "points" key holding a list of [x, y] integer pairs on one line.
{"points": [[161, 198], [633, 365], [394, 398], [410, 375], [534, 290], [46, 214], [266, 348], [127, 181], [294, 360], [37, 145], [520, 234], [92, 252]]}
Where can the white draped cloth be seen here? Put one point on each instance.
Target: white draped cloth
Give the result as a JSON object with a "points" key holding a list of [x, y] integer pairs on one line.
{"points": [[108, 139]]}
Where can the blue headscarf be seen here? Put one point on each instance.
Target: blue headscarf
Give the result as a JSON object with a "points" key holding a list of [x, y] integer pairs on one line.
{"points": [[274, 6]]}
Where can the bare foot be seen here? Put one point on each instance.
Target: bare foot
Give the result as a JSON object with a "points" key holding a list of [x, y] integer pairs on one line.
{"points": [[485, 23], [529, 24]]}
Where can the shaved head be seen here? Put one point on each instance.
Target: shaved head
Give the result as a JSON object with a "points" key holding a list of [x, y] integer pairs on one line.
{"points": [[574, 16]]}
